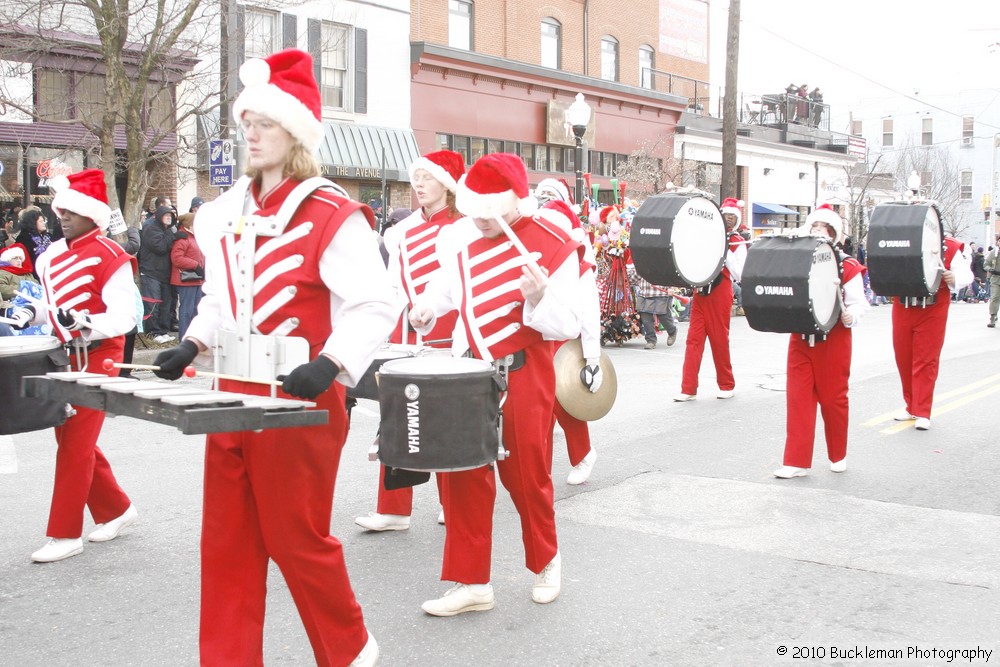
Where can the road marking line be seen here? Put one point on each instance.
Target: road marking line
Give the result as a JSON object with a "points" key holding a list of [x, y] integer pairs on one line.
{"points": [[942, 409], [875, 421]]}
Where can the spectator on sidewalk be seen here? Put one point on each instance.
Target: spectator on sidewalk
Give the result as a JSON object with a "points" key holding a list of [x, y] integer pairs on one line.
{"points": [[187, 273], [154, 272]]}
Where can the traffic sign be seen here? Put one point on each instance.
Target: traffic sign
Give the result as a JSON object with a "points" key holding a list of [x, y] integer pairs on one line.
{"points": [[220, 176], [220, 153]]}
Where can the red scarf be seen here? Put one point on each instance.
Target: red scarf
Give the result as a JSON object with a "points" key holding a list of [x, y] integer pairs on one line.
{"points": [[26, 266]]}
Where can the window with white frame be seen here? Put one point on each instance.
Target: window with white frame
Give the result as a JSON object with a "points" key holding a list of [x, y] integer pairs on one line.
{"points": [[261, 30], [460, 24], [646, 65], [609, 58], [551, 43], [965, 186], [968, 129], [927, 131], [886, 132], [333, 65]]}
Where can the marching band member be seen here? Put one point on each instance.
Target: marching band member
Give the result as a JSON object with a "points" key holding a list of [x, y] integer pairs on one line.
{"points": [[582, 455], [918, 336], [820, 373], [711, 311], [87, 280], [413, 259], [511, 308], [291, 265]]}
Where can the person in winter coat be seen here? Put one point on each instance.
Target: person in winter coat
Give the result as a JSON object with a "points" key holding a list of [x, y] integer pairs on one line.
{"points": [[34, 234], [154, 272], [15, 266], [186, 256]]}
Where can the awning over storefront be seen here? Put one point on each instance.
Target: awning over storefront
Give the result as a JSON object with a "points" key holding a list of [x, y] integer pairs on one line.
{"points": [[773, 209], [361, 151]]}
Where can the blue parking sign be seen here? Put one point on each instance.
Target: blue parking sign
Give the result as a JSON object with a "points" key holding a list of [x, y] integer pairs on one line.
{"points": [[220, 176]]}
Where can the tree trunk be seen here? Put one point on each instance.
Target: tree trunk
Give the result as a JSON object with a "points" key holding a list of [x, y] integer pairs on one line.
{"points": [[729, 107]]}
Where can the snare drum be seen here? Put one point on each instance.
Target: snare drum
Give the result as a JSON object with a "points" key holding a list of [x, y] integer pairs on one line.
{"points": [[905, 249], [438, 413], [28, 355], [367, 387], [678, 240], [791, 284]]}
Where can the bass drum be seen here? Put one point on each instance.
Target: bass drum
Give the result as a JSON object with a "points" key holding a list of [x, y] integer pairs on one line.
{"points": [[791, 285], [905, 249], [678, 240], [438, 413], [28, 355]]}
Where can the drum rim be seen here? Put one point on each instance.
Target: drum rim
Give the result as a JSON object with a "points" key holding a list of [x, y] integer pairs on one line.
{"points": [[39, 344], [486, 370]]}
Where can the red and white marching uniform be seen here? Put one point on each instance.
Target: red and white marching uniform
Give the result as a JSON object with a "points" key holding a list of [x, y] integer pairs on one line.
{"points": [[918, 334], [484, 284], [413, 259], [89, 273], [268, 494], [819, 374], [710, 315]]}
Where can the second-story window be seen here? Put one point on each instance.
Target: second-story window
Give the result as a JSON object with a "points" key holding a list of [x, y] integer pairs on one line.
{"points": [[551, 43], [927, 132], [886, 132], [460, 24], [965, 185], [333, 71], [609, 58], [261, 33], [646, 65], [968, 129]]}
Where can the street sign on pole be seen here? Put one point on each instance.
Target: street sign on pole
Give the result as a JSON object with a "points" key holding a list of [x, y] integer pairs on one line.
{"points": [[221, 163]]}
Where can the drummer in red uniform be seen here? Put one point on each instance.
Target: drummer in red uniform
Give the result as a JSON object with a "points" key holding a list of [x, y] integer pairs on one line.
{"points": [[293, 276], [711, 311], [918, 336], [87, 281], [819, 370], [511, 310], [413, 259]]}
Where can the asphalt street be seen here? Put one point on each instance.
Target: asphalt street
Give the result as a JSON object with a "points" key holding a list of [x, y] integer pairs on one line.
{"points": [[682, 549]]}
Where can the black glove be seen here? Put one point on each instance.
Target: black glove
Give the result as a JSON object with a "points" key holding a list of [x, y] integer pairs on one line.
{"points": [[310, 380], [172, 362], [22, 317], [71, 323]]}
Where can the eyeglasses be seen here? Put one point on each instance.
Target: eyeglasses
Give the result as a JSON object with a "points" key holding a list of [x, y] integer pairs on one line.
{"points": [[262, 125]]}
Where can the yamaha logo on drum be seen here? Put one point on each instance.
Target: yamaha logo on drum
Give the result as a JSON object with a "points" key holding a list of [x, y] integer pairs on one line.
{"points": [[412, 392], [775, 290], [905, 243], [699, 213], [650, 230]]}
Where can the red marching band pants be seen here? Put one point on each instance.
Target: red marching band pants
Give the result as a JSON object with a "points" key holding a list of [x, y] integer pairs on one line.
{"points": [[269, 496], [710, 315], [818, 374], [917, 338], [469, 495], [83, 475], [577, 434]]}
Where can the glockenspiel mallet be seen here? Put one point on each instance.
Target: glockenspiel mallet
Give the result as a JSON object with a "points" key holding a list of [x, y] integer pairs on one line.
{"points": [[191, 372], [108, 365]]}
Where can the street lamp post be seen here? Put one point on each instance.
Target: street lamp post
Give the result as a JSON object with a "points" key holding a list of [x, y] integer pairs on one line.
{"points": [[913, 183], [578, 116]]}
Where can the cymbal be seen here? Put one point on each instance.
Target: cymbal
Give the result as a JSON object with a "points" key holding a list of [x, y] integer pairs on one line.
{"points": [[572, 394]]}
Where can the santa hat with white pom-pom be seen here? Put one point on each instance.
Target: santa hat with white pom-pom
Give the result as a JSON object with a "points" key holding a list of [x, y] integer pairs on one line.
{"points": [[83, 193], [283, 88]]}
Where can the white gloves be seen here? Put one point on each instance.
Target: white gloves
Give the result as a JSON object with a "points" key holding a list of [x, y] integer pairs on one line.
{"points": [[591, 375]]}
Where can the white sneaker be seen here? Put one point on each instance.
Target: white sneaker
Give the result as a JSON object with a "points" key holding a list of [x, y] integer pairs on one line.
{"points": [[682, 398], [902, 416], [441, 516], [461, 598], [163, 338], [369, 654], [110, 530], [839, 466], [548, 582], [58, 549], [922, 424], [380, 522], [787, 472], [725, 393], [580, 473]]}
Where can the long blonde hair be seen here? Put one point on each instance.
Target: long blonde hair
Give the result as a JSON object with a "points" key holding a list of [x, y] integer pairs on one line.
{"points": [[300, 165]]}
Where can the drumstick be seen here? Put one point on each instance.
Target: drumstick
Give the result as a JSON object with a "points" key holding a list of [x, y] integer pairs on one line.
{"points": [[517, 242], [7, 320], [108, 365], [191, 372]]}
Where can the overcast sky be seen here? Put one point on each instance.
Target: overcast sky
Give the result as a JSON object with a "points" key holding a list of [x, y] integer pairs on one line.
{"points": [[855, 49]]}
